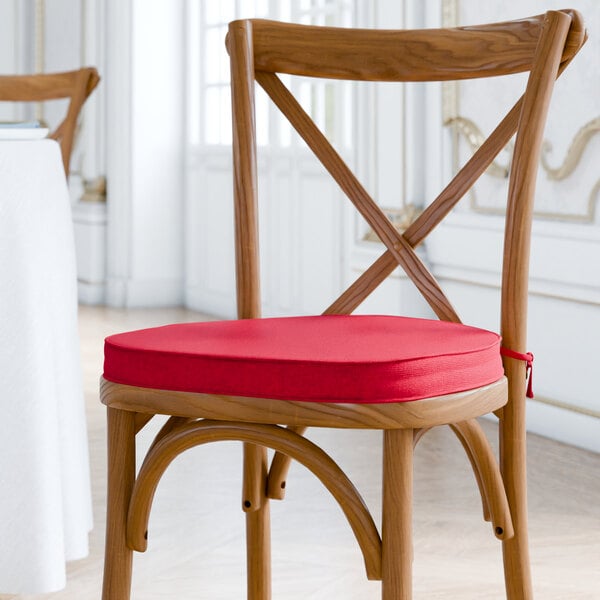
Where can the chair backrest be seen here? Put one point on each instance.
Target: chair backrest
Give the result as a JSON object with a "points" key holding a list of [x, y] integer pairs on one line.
{"points": [[542, 45], [74, 85]]}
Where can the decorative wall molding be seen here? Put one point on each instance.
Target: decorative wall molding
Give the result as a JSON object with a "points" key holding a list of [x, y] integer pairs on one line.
{"points": [[94, 190], [574, 152], [564, 293], [401, 219], [572, 160], [556, 249], [588, 412], [471, 132], [466, 129], [565, 276], [563, 424]]}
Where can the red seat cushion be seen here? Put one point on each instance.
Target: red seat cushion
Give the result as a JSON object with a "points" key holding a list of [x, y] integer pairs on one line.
{"points": [[320, 359]]}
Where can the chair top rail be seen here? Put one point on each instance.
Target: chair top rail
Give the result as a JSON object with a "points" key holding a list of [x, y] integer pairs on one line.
{"points": [[46, 86], [403, 55]]}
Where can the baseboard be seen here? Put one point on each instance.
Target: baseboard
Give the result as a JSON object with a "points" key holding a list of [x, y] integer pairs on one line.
{"points": [[91, 293], [154, 293], [216, 304], [564, 425]]}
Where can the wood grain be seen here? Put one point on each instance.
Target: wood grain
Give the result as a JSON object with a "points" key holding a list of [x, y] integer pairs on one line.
{"points": [[396, 523], [428, 412], [244, 169], [488, 476], [379, 55], [515, 276], [121, 477]]}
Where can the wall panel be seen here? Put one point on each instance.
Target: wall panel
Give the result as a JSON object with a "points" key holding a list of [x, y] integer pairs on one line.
{"points": [[465, 251]]}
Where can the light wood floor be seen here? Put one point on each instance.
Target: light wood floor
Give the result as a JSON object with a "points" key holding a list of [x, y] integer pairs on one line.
{"points": [[196, 544]]}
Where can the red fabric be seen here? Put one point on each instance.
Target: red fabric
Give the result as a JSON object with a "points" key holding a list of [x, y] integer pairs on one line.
{"points": [[324, 358], [528, 359]]}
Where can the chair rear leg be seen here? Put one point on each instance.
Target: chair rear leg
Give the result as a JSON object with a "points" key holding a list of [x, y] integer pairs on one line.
{"points": [[396, 535], [258, 522], [121, 477], [513, 456], [258, 545], [516, 565]]}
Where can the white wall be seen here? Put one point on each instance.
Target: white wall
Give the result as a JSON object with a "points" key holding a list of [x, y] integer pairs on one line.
{"points": [[145, 59], [9, 42]]}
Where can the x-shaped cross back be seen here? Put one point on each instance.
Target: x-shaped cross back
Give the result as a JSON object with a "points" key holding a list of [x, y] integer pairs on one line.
{"points": [[400, 246]]}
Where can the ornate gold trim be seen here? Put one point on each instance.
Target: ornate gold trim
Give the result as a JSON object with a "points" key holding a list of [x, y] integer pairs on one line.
{"points": [[450, 114], [94, 190], [585, 217], [475, 138], [400, 218], [574, 152], [463, 126]]}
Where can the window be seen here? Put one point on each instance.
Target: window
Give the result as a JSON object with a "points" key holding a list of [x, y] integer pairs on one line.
{"points": [[209, 113]]}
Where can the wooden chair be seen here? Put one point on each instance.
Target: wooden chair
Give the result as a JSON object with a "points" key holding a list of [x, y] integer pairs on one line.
{"points": [[246, 379], [75, 85]]}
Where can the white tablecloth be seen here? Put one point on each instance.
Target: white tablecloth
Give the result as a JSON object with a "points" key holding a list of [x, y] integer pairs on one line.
{"points": [[45, 500]]}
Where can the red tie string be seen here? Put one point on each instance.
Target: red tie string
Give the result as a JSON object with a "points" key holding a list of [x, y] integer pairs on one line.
{"points": [[528, 358]]}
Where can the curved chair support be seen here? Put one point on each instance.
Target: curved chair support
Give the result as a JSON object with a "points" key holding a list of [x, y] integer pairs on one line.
{"points": [[418, 435], [280, 466], [170, 424], [141, 420], [487, 473], [196, 433]]}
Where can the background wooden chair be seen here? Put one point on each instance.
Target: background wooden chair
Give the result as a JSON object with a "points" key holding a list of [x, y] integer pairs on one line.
{"points": [[74, 85], [242, 380]]}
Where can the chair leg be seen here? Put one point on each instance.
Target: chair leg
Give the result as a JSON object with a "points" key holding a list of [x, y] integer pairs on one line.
{"points": [[121, 477], [258, 523], [517, 574], [258, 545], [396, 535]]}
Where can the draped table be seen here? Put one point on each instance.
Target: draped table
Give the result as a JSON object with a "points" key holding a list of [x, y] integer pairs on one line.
{"points": [[45, 498]]}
